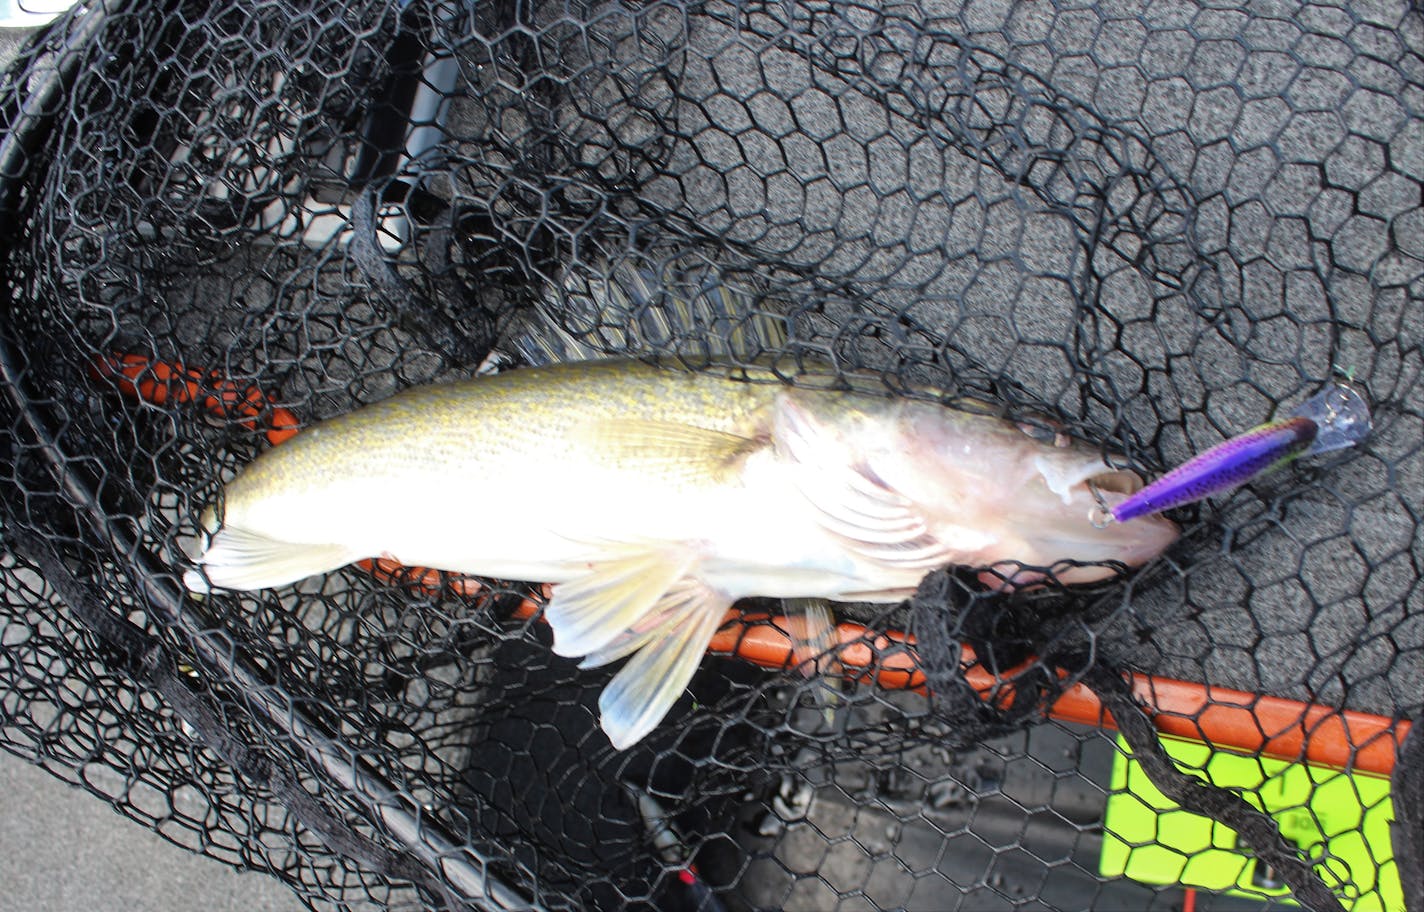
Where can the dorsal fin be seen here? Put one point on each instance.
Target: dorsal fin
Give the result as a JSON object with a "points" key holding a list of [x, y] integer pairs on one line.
{"points": [[681, 306]]}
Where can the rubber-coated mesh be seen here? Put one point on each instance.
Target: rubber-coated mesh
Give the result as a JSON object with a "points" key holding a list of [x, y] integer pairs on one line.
{"points": [[1154, 223]]}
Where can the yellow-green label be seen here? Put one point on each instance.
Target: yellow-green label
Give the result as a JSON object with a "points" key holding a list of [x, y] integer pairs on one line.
{"points": [[1338, 818]]}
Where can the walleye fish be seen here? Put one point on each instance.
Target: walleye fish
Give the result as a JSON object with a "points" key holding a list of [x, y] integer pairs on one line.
{"points": [[653, 499]]}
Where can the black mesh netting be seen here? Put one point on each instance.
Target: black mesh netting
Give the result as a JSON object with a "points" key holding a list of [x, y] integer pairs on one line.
{"points": [[1154, 222]]}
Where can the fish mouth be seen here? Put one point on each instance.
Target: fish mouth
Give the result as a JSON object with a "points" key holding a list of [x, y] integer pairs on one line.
{"points": [[1089, 477], [1136, 541], [1133, 542], [1122, 482], [1083, 532]]}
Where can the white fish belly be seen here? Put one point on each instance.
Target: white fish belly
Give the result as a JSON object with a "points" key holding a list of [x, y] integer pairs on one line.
{"points": [[753, 535]]}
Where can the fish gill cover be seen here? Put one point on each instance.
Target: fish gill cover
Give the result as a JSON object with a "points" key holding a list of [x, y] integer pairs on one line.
{"points": [[1150, 226]]}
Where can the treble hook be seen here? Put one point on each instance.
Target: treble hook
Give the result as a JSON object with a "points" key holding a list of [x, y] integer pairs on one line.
{"points": [[1100, 516]]}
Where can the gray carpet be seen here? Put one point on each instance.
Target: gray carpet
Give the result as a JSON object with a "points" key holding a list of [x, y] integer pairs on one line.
{"points": [[63, 850]]}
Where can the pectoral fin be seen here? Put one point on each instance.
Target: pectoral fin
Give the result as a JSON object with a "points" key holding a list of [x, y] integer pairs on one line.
{"points": [[641, 694], [666, 448], [238, 558], [850, 501]]}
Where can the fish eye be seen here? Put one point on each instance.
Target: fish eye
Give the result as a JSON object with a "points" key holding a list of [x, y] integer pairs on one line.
{"points": [[1044, 431]]}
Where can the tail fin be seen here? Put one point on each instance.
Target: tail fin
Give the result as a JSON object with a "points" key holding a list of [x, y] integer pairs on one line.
{"points": [[237, 558]]}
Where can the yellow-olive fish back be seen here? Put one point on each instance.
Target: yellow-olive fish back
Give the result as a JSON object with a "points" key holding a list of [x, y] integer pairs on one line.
{"points": [[479, 423]]}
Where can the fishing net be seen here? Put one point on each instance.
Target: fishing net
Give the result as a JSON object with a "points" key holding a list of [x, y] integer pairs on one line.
{"points": [[1150, 224]]}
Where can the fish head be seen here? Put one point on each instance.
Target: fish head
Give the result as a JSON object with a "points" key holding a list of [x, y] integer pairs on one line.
{"points": [[1002, 491]]}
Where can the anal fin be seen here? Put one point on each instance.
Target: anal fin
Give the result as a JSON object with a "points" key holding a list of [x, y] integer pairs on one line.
{"points": [[615, 595], [675, 607], [641, 694]]}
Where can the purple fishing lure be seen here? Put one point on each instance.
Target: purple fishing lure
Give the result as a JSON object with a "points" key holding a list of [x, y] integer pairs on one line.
{"points": [[1223, 467], [1332, 419]]}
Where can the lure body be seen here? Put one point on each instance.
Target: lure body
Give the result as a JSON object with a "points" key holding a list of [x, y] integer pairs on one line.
{"points": [[1335, 418], [1225, 466]]}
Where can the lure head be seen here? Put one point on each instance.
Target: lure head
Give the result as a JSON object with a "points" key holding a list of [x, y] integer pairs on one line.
{"points": [[1341, 417]]}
